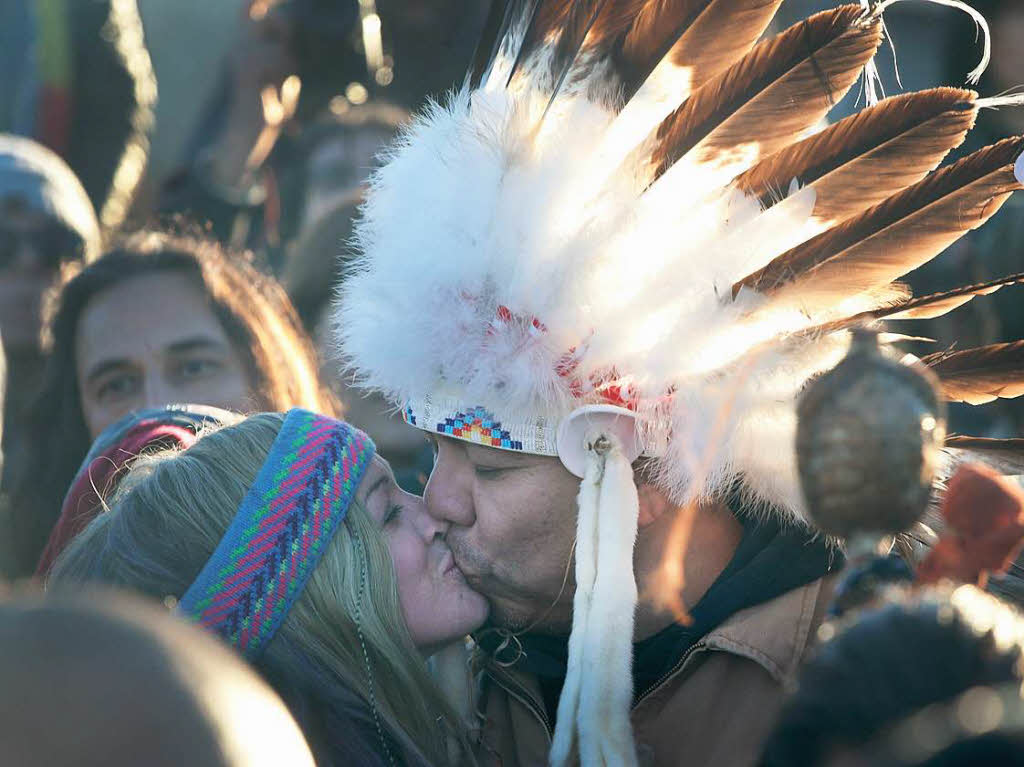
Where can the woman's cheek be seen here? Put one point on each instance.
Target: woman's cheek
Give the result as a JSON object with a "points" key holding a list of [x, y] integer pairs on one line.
{"points": [[409, 556]]}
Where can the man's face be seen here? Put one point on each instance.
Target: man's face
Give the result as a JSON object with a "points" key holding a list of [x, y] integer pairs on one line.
{"points": [[150, 341], [513, 522]]}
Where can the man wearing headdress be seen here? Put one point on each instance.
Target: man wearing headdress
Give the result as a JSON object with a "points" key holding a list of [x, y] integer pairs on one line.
{"points": [[600, 276]]}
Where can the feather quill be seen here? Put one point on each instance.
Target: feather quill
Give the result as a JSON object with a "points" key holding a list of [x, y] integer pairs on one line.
{"points": [[535, 36], [1004, 455], [935, 305], [867, 157], [656, 27], [771, 96], [980, 375], [575, 33], [672, 48], [917, 308], [492, 36], [897, 235]]}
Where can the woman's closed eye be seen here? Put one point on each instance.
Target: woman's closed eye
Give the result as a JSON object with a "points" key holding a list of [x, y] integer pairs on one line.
{"points": [[393, 513]]}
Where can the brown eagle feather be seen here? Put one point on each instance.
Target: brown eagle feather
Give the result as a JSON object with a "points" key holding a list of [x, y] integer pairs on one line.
{"points": [[865, 158], [774, 94], [982, 374], [898, 235]]}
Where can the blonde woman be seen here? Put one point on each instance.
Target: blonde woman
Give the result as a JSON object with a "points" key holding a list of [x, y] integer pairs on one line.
{"points": [[288, 537]]}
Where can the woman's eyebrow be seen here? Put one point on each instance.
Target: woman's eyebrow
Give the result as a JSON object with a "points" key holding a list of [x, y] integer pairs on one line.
{"points": [[375, 486]]}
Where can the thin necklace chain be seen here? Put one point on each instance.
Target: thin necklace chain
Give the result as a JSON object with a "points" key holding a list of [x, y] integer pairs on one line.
{"points": [[510, 638], [362, 643]]}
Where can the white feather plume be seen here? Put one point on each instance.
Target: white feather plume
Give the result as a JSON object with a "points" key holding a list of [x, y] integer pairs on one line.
{"points": [[504, 197]]}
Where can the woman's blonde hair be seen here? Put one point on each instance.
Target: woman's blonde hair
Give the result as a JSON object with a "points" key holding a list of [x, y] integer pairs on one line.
{"points": [[342, 653]]}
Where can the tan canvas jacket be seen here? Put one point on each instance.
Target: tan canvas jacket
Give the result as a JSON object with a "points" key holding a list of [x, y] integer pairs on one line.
{"points": [[716, 707]]}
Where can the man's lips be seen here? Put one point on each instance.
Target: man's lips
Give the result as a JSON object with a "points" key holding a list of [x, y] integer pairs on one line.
{"points": [[448, 564], [460, 561]]}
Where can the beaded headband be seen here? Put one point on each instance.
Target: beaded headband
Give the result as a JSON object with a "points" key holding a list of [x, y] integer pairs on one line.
{"points": [[281, 530]]}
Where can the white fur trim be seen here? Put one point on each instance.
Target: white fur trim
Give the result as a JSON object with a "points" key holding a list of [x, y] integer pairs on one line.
{"points": [[586, 571], [594, 708]]}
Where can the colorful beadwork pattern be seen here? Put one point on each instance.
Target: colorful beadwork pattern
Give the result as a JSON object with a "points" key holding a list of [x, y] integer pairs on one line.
{"points": [[281, 530], [478, 425], [448, 415]]}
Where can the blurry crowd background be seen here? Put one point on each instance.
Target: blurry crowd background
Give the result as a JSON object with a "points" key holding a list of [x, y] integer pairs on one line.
{"points": [[177, 186], [177, 183]]}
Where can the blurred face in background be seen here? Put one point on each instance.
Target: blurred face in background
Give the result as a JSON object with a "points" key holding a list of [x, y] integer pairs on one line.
{"points": [[32, 247], [152, 341]]}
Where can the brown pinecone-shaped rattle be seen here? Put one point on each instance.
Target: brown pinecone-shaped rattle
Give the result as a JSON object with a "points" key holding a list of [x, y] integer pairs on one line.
{"points": [[869, 435]]}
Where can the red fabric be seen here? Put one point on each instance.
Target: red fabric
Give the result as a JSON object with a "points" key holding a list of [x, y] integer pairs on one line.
{"points": [[984, 513], [83, 503], [53, 119]]}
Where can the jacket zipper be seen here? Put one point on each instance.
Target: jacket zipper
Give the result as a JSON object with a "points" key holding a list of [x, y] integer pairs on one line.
{"points": [[675, 670], [521, 694]]}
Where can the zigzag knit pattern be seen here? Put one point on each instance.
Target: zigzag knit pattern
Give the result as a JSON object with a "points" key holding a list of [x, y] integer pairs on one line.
{"points": [[281, 530]]}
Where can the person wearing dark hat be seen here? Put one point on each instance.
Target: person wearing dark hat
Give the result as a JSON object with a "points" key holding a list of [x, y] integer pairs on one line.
{"points": [[881, 666], [46, 222]]}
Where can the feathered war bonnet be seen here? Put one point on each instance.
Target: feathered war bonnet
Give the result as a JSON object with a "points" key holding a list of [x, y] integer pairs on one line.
{"points": [[623, 237]]}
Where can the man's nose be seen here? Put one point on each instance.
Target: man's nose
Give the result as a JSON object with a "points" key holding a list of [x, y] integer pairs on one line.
{"points": [[158, 392], [448, 494]]}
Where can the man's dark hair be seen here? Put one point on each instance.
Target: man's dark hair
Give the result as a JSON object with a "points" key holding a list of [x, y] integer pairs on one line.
{"points": [[256, 316]]}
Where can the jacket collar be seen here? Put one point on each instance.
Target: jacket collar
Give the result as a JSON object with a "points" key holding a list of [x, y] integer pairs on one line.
{"points": [[777, 633]]}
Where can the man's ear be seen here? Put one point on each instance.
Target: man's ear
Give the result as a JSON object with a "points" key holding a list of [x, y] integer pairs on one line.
{"points": [[653, 504]]}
